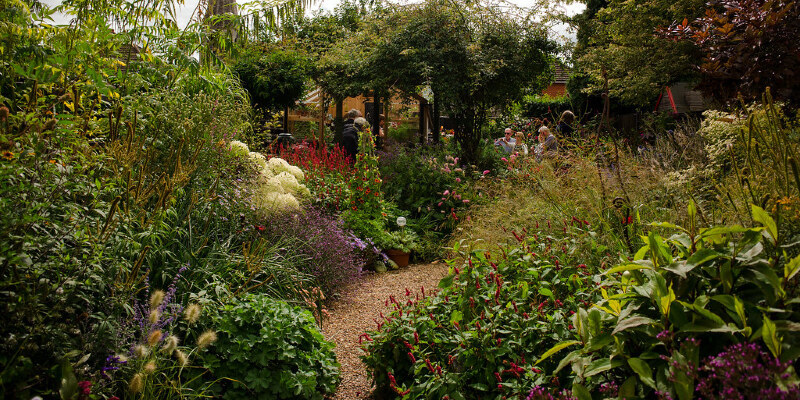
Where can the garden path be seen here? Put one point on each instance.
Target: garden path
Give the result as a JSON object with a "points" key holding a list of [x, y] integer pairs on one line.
{"points": [[354, 312]]}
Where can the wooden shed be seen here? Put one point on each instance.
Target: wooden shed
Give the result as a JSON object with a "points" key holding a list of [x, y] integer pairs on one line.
{"points": [[398, 109]]}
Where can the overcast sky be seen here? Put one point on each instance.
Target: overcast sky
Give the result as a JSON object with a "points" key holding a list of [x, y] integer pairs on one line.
{"points": [[185, 12]]}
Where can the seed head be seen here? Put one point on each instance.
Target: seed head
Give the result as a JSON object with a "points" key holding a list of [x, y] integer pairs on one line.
{"points": [[170, 344], [136, 383], [154, 316], [156, 298], [192, 313], [3, 113], [154, 337], [149, 368], [50, 124], [183, 360], [206, 339], [141, 351]]}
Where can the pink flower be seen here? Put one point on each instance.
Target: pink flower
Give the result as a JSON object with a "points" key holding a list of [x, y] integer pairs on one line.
{"points": [[458, 180], [466, 201], [504, 159], [440, 204], [486, 172], [446, 192]]}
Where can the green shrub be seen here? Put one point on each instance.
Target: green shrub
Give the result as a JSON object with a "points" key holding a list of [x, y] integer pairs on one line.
{"points": [[715, 286], [481, 335], [545, 107], [269, 349]]}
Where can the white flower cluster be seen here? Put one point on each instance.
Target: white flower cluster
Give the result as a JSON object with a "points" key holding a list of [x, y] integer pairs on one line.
{"points": [[278, 185]]}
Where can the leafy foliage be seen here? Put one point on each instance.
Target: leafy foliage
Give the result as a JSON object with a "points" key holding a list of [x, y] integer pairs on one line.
{"points": [[618, 41], [269, 348], [747, 47], [716, 286], [275, 77], [481, 335]]}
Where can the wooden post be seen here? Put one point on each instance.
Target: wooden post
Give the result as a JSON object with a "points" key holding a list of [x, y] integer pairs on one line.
{"points": [[423, 127], [322, 115]]}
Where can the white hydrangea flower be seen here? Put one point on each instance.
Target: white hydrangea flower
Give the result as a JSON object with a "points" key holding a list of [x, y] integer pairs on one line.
{"points": [[278, 165], [278, 202], [259, 159], [297, 172], [239, 149], [288, 182], [265, 174], [272, 185]]}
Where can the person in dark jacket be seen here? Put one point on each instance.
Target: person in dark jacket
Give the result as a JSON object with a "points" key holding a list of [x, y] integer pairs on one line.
{"points": [[350, 135], [564, 126]]}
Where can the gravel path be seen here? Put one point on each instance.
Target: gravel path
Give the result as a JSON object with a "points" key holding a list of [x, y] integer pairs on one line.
{"points": [[350, 316]]}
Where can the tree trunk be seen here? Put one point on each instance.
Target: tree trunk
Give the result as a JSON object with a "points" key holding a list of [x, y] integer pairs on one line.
{"points": [[338, 122], [286, 119]]}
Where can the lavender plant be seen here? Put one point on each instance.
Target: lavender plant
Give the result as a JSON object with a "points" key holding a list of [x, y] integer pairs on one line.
{"points": [[327, 251], [151, 359]]}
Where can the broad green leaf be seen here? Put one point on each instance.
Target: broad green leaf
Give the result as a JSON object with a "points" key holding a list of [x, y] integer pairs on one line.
{"points": [[791, 268], [641, 253], [69, 383], [668, 226], [555, 349], [456, 316], [626, 267], [446, 282], [572, 356], [628, 389], [683, 384], [602, 365], [643, 370], [665, 302], [545, 292], [580, 392], [770, 336], [631, 323], [763, 217]]}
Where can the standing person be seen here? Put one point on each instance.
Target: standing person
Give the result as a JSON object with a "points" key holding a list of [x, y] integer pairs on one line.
{"points": [[507, 142], [350, 135], [520, 147], [564, 127]]}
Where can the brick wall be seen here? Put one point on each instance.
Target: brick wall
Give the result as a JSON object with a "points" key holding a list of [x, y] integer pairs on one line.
{"points": [[555, 90]]}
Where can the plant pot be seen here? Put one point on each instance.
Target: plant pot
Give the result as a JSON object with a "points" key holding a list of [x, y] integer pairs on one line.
{"points": [[399, 257]]}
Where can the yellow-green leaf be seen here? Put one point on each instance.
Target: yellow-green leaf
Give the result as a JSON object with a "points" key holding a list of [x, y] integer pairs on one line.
{"points": [[555, 349]]}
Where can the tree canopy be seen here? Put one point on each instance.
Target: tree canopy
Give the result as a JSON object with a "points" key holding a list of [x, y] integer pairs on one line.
{"points": [[619, 37]]}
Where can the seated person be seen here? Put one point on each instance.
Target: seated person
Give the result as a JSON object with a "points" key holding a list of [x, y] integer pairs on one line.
{"points": [[520, 147], [506, 142], [548, 142]]}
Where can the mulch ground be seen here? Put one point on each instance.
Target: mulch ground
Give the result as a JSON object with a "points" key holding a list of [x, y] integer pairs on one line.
{"points": [[355, 311]]}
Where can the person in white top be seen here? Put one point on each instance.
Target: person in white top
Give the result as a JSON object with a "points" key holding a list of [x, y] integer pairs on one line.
{"points": [[506, 142]]}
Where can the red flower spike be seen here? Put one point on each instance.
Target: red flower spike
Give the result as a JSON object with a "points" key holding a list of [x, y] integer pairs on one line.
{"points": [[412, 358], [430, 367]]}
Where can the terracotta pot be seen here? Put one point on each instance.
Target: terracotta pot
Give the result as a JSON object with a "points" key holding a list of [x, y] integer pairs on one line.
{"points": [[399, 257]]}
